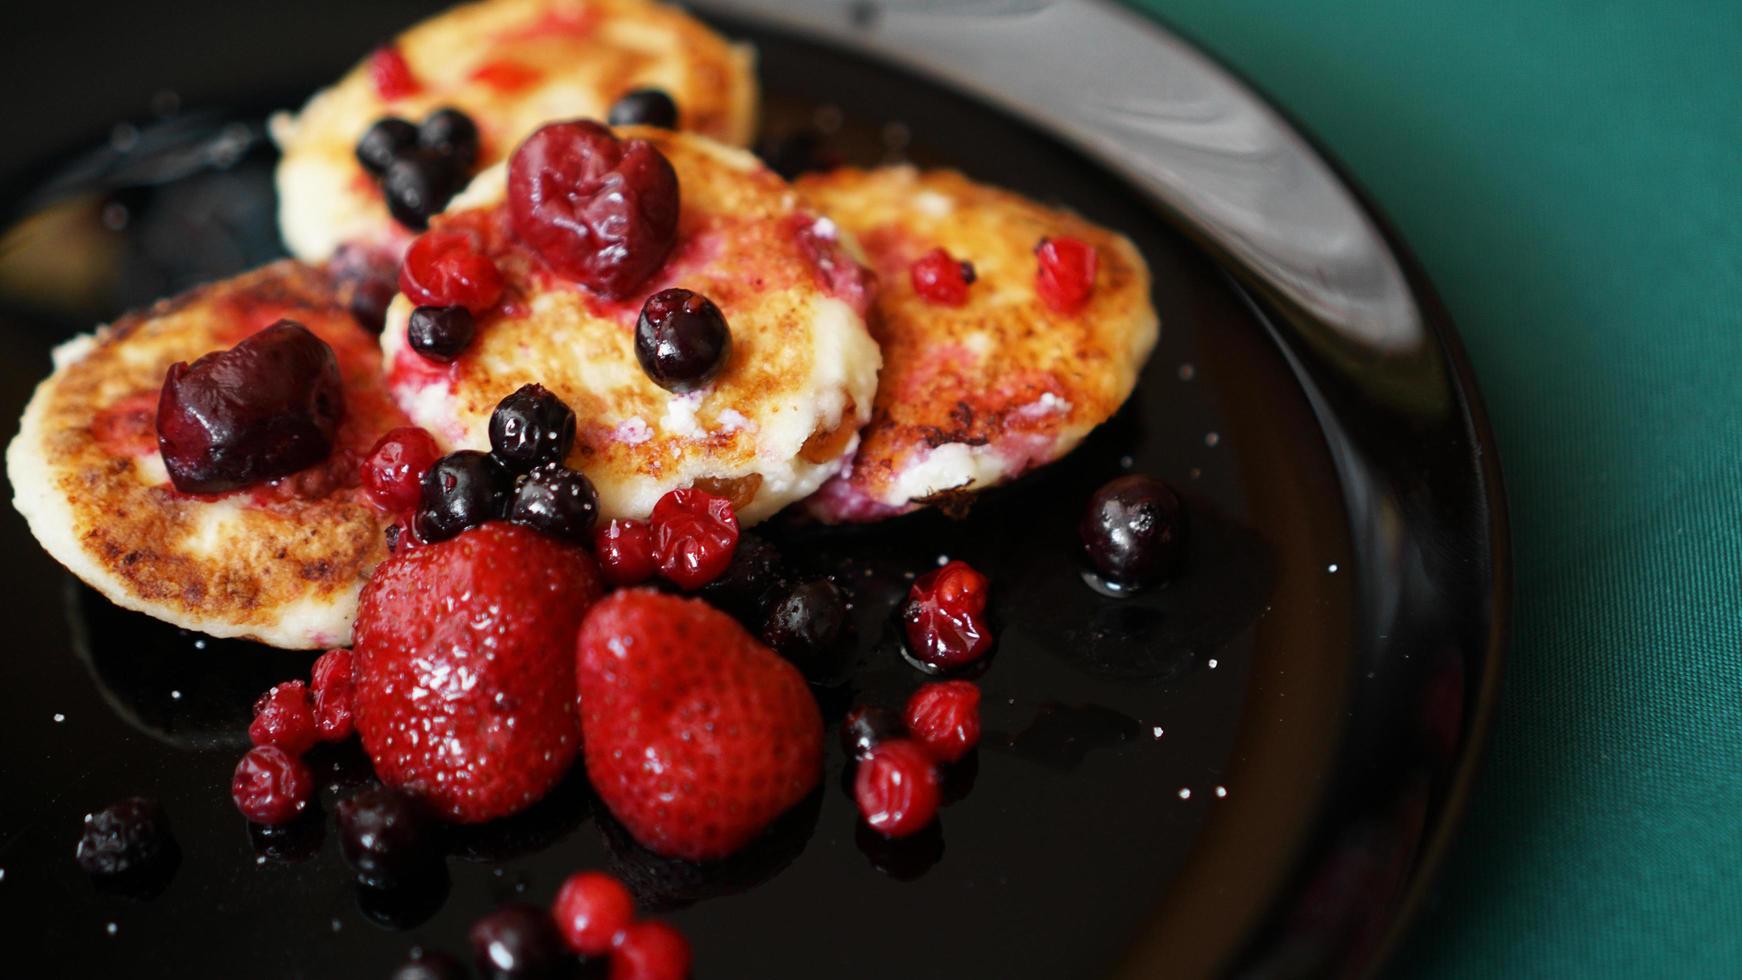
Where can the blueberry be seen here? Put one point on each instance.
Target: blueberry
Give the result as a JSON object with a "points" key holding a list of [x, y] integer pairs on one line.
{"points": [[385, 142], [557, 501], [750, 582], [462, 490], [867, 725], [531, 427], [806, 621], [644, 107], [430, 965], [369, 301], [452, 134], [417, 184], [517, 941], [386, 837], [125, 836], [440, 333], [1133, 530], [681, 339]]}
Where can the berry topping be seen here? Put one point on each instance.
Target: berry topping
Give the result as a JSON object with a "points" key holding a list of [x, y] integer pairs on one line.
{"points": [[1066, 274], [557, 501], [473, 639], [750, 584], [123, 837], [694, 535], [1133, 530], [681, 339], [440, 333], [451, 134], [941, 279], [696, 736], [386, 837], [644, 107], [868, 726], [417, 184], [945, 719], [591, 911], [271, 786], [531, 426], [461, 490], [392, 76], [945, 617], [384, 142], [444, 268], [516, 942], [651, 950], [429, 965], [331, 684], [265, 408], [806, 621], [896, 788], [284, 716], [599, 210], [625, 551], [393, 471]]}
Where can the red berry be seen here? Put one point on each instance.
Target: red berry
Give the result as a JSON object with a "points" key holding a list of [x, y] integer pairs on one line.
{"points": [[896, 788], [651, 950], [694, 535], [599, 210], [945, 718], [941, 279], [392, 76], [285, 717], [445, 268], [945, 617], [1067, 272], [393, 471], [332, 693], [591, 911], [271, 786], [625, 551]]}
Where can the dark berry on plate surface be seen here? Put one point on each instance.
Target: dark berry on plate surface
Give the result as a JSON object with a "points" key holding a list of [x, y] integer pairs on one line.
{"points": [[123, 837], [393, 471], [369, 301], [694, 536], [265, 408], [867, 726], [330, 683], [271, 786], [945, 718], [806, 621], [651, 950], [591, 910], [285, 716], [681, 339], [417, 185], [384, 142], [941, 279], [644, 107], [462, 490], [440, 333], [896, 788], [1133, 530], [531, 426], [517, 941], [624, 548], [557, 501], [1065, 274], [445, 268], [598, 210], [804, 150], [429, 965], [452, 134], [386, 837], [945, 617], [751, 582]]}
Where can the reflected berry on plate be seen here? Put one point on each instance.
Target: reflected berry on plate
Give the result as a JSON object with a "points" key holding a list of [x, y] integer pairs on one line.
{"points": [[940, 279], [806, 621], [516, 942], [644, 107], [462, 490], [271, 786], [1133, 531], [694, 536], [592, 909], [557, 501], [625, 551], [945, 617], [445, 268], [393, 471], [440, 333], [755, 577], [651, 950], [1065, 275], [896, 788], [285, 716], [452, 134], [124, 837], [386, 837], [868, 726], [330, 683], [682, 340], [531, 426], [384, 142], [945, 718]]}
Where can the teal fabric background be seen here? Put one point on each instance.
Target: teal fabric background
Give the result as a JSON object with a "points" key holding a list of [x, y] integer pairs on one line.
{"points": [[1570, 173]]}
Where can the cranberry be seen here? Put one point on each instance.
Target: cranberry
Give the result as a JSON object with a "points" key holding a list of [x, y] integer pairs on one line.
{"points": [[445, 268], [896, 788], [123, 837], [440, 333], [1066, 274], [625, 551], [462, 490], [598, 210], [331, 683], [271, 786], [941, 279], [747, 587], [452, 134], [945, 718], [386, 837], [945, 616], [651, 950], [868, 726], [265, 408], [390, 73], [591, 910], [681, 339], [516, 941], [418, 183], [429, 965], [393, 470], [694, 535], [806, 621], [1133, 530], [530, 427], [644, 107], [384, 142], [284, 716], [557, 501]]}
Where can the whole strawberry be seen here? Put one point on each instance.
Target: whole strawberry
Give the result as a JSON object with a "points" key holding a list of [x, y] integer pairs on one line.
{"points": [[464, 668], [696, 735]]}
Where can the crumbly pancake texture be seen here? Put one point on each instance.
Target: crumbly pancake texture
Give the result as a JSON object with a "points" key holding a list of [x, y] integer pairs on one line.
{"points": [[780, 418], [281, 562], [975, 395], [511, 65]]}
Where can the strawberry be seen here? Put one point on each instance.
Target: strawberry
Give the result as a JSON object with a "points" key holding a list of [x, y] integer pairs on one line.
{"points": [[696, 735], [463, 669]]}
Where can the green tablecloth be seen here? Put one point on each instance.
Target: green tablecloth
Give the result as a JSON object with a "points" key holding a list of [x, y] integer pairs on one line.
{"points": [[1570, 173]]}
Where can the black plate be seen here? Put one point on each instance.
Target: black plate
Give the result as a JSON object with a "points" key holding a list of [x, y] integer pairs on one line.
{"points": [[1252, 771]]}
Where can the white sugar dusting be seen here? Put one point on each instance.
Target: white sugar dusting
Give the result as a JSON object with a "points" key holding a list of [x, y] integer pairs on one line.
{"points": [[1221, 792], [1157, 731], [1184, 793], [1187, 372], [633, 430], [1212, 438], [58, 717]]}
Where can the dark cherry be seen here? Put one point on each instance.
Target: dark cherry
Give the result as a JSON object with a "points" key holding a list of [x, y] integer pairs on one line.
{"points": [[531, 427], [441, 333], [517, 941], [419, 183], [384, 142], [557, 501], [644, 107], [681, 339], [386, 837], [463, 489], [265, 408], [429, 965], [750, 583], [867, 725], [123, 837], [806, 621], [452, 134], [1133, 530]]}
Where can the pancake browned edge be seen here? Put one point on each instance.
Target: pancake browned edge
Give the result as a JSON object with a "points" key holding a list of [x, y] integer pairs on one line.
{"points": [[281, 563]]}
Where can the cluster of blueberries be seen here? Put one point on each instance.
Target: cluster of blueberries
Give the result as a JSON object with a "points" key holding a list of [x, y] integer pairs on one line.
{"points": [[420, 166]]}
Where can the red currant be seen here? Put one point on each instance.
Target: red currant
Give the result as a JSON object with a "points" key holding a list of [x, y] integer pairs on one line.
{"points": [[651, 950], [393, 471], [1066, 274], [271, 786], [390, 73], [285, 717], [445, 268], [625, 551], [331, 678], [945, 617], [591, 911], [694, 535], [945, 718], [896, 788], [941, 279]]}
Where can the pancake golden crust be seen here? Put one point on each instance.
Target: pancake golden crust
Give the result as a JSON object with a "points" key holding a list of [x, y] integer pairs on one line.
{"points": [[776, 422], [282, 562], [974, 395], [510, 65]]}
